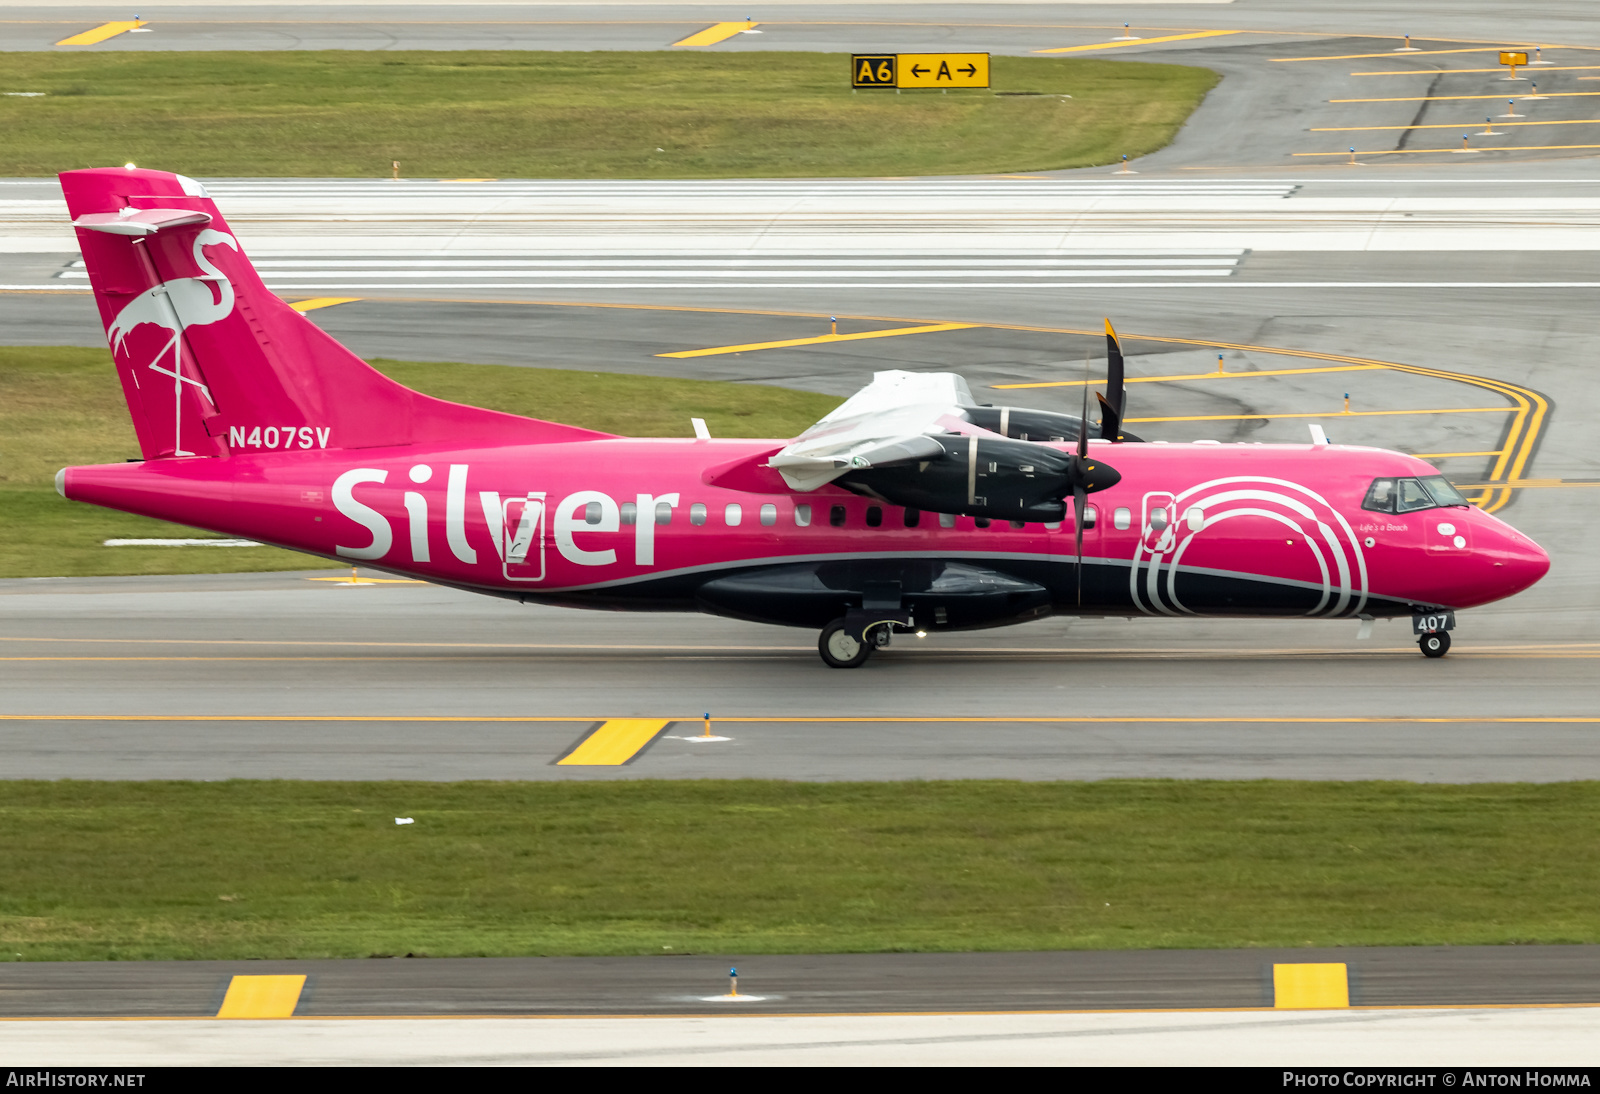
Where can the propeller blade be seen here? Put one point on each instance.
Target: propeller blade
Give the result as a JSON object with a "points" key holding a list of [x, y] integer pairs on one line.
{"points": [[1116, 386], [1080, 504], [1083, 419]]}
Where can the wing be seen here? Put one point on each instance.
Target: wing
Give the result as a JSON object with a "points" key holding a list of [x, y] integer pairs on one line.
{"points": [[891, 420]]}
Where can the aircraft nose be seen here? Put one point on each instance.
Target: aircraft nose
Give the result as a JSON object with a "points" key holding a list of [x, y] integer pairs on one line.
{"points": [[1516, 562]]}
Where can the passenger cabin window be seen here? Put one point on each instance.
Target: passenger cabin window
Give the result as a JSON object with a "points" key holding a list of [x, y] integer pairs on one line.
{"points": [[947, 520], [1158, 519], [980, 522], [697, 514], [1410, 495], [733, 514], [663, 512], [591, 513], [1121, 518], [1195, 519], [836, 516], [769, 515], [1018, 525], [874, 516], [1090, 515], [802, 516], [911, 517]]}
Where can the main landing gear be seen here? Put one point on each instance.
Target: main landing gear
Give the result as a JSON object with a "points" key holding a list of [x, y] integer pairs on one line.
{"points": [[845, 644], [1435, 644]]}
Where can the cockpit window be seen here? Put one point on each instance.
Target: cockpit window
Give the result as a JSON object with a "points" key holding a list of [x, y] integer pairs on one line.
{"points": [[1443, 492], [1413, 496], [1380, 497], [1410, 495]]}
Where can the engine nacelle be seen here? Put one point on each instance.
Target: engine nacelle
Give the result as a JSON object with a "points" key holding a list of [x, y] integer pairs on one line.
{"points": [[1022, 424], [977, 477]]}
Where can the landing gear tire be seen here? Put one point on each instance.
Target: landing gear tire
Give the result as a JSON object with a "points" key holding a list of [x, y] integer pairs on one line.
{"points": [[1436, 644], [840, 649]]}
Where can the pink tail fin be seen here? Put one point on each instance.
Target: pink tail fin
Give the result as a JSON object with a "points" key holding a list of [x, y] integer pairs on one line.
{"points": [[212, 363]]}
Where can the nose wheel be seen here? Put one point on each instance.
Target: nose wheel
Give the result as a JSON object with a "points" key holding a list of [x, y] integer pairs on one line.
{"points": [[1435, 644]]}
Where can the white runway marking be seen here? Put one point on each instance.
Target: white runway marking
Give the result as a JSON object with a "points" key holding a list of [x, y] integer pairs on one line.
{"points": [[555, 272], [1456, 1038]]}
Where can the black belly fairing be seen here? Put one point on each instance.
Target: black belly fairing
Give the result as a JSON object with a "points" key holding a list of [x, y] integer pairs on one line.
{"points": [[954, 594]]}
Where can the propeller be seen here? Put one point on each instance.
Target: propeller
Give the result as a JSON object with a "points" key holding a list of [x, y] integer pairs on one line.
{"points": [[1111, 409], [1085, 475]]}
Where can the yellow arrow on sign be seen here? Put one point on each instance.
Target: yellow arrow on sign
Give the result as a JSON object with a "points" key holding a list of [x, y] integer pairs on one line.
{"points": [[942, 70]]}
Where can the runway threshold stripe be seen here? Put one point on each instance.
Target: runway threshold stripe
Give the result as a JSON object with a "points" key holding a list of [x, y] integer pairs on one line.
{"points": [[614, 742], [262, 997], [101, 33], [1321, 986]]}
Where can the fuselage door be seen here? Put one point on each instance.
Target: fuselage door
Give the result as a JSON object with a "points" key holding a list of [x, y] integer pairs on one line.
{"points": [[522, 534]]}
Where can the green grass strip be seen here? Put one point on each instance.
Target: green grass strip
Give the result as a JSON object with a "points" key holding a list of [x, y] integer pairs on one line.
{"points": [[527, 114], [62, 405], [308, 869]]}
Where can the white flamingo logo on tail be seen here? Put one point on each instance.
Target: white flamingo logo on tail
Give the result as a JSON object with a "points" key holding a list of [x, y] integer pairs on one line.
{"points": [[173, 306]]}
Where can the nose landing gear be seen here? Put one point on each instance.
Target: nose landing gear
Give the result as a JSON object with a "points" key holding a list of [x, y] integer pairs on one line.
{"points": [[1433, 631]]}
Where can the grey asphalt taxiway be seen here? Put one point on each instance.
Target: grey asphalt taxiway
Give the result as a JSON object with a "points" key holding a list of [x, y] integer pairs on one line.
{"points": [[1477, 271], [1172, 980], [1471, 265]]}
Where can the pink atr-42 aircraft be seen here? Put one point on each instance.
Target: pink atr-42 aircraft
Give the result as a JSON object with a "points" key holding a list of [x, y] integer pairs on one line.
{"points": [[910, 508]]}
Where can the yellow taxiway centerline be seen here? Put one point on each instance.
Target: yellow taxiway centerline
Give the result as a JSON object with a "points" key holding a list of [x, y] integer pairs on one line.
{"points": [[1452, 71], [317, 302], [1391, 53], [1196, 376], [1528, 408], [719, 32], [614, 742], [1140, 41], [1443, 98], [101, 33], [1457, 125], [1331, 414], [821, 339], [1421, 151]]}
